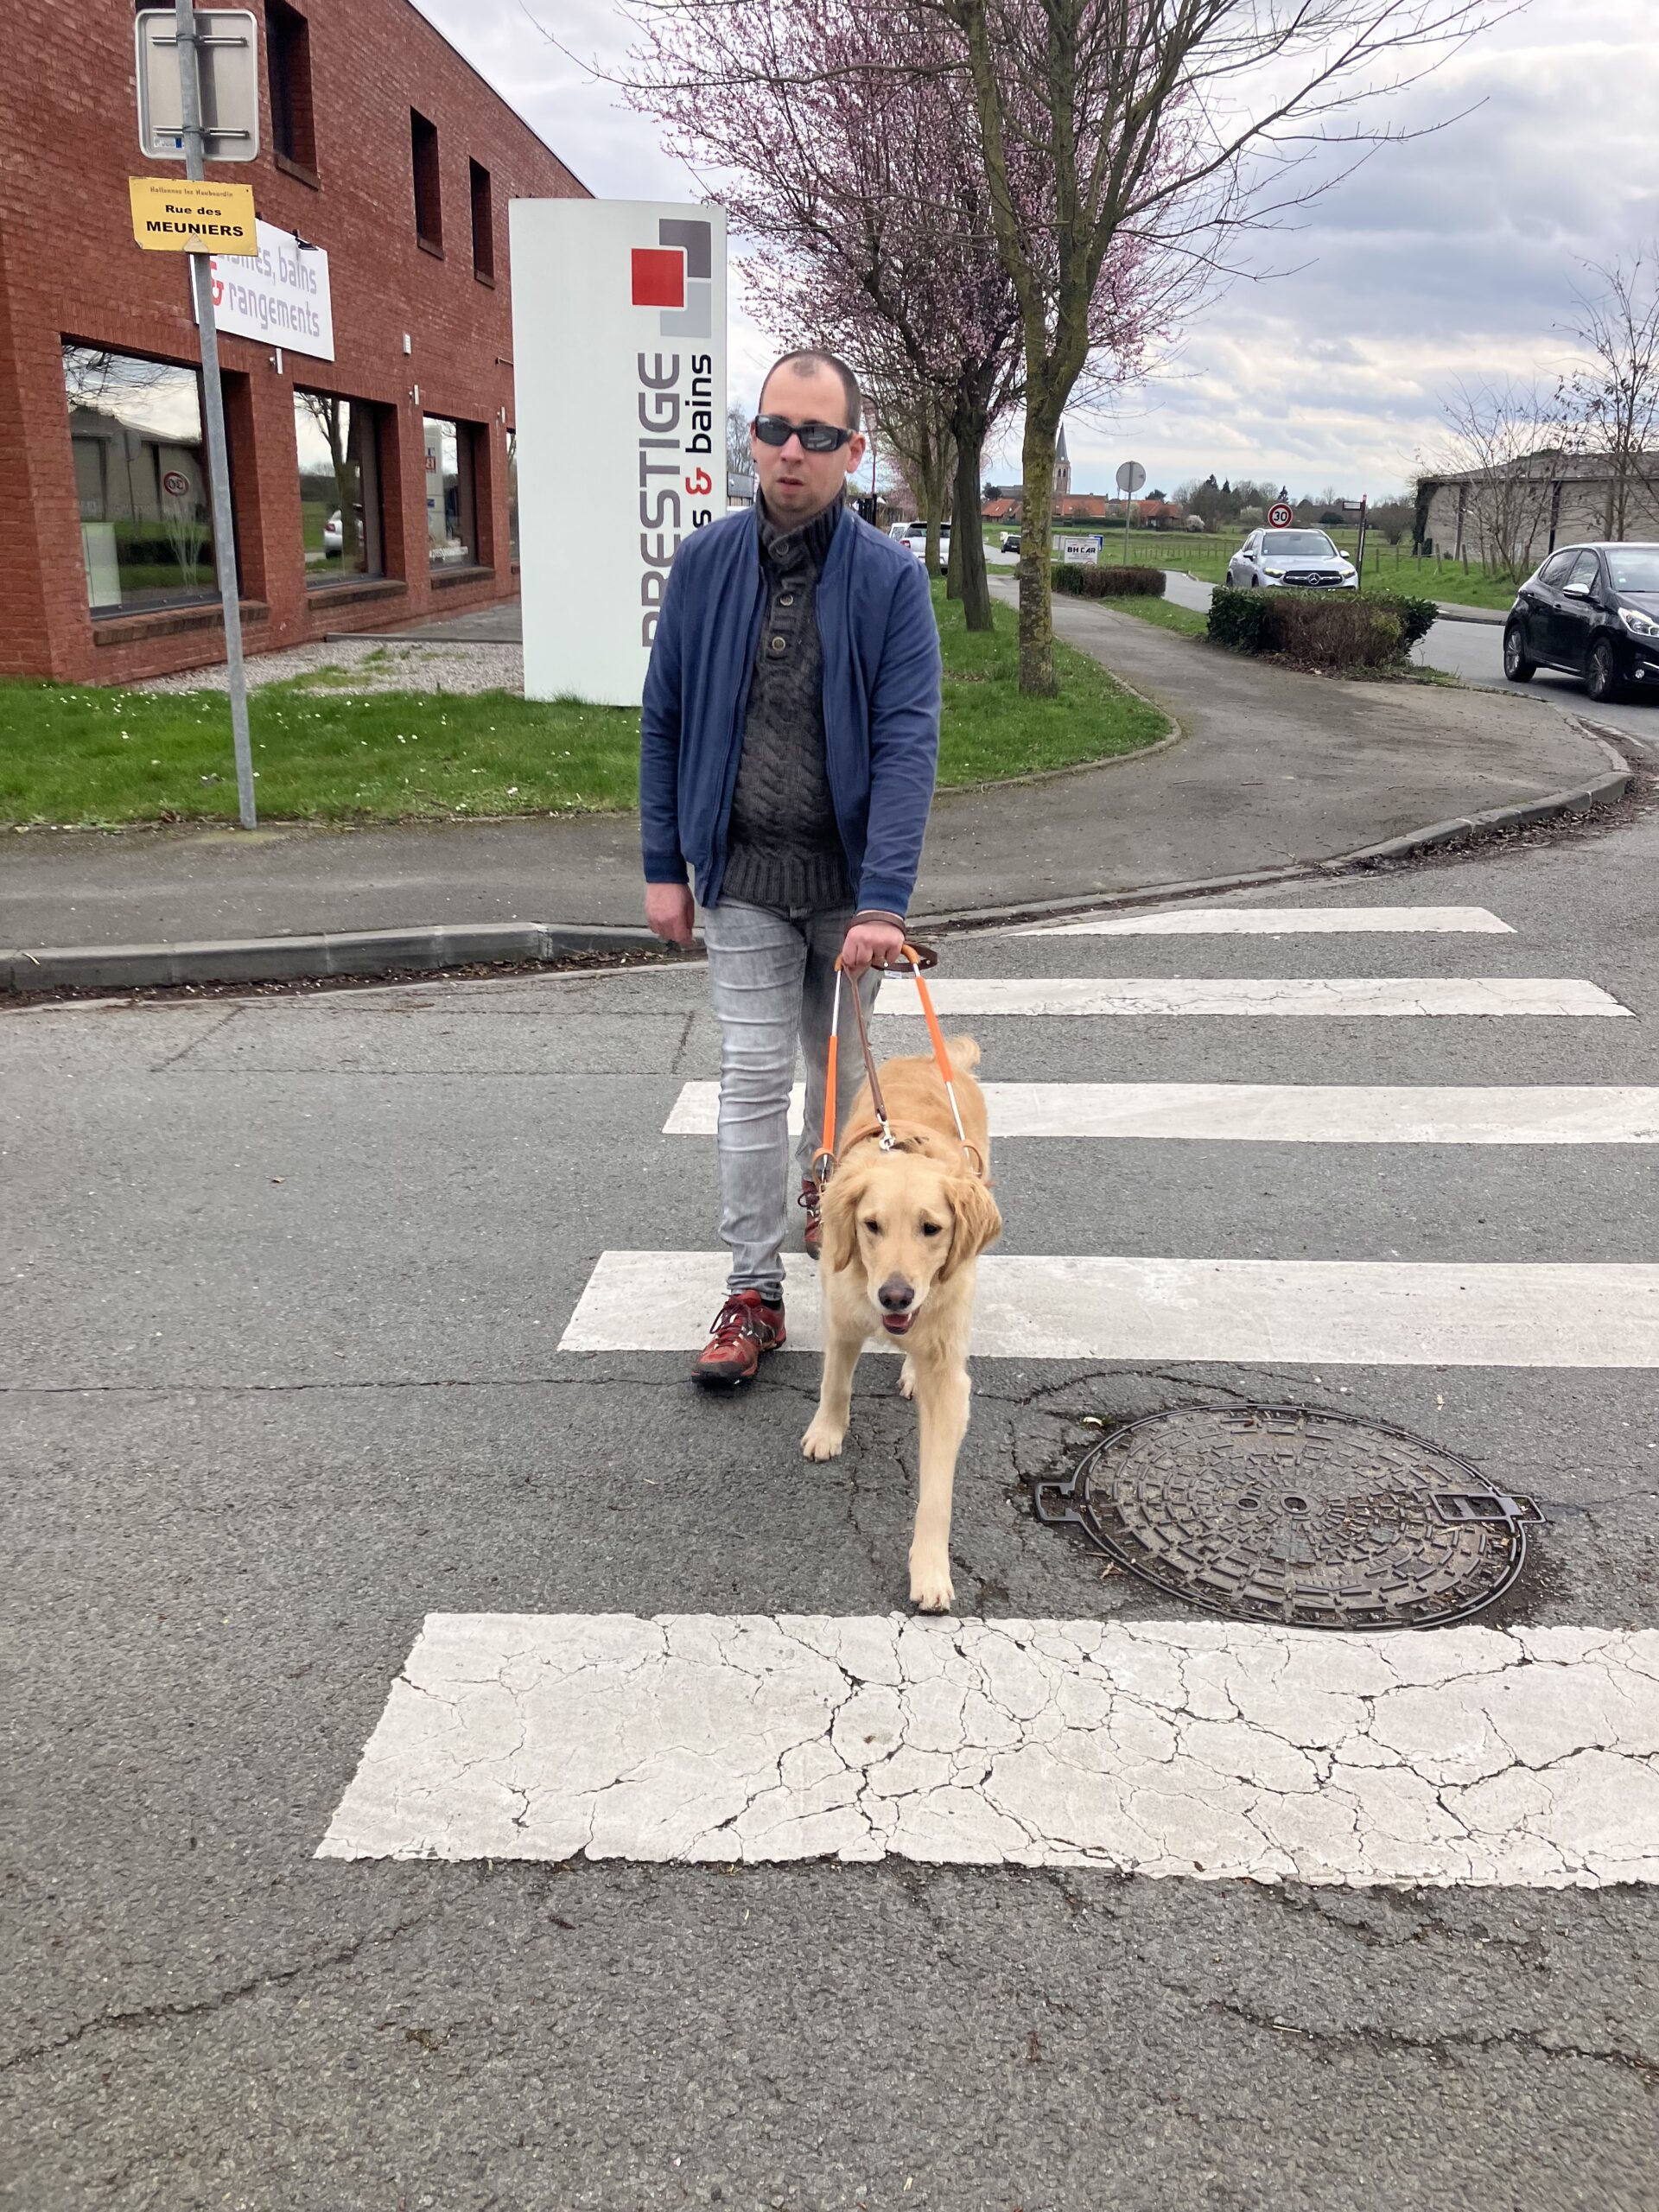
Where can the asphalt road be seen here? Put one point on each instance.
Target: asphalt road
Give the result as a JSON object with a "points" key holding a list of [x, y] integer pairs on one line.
{"points": [[1475, 652], [287, 1279]]}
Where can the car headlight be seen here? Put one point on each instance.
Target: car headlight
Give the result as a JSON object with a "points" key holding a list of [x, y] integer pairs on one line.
{"points": [[1269, 571], [1638, 625]]}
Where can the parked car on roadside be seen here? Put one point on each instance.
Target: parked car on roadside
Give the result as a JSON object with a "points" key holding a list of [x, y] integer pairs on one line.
{"points": [[1593, 610], [333, 536], [915, 536], [1010, 541], [1304, 560]]}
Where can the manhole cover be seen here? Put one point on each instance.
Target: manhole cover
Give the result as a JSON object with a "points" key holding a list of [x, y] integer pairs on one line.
{"points": [[1273, 1513]]}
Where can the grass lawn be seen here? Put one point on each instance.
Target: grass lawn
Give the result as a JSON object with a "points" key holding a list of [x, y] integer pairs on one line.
{"points": [[71, 755], [989, 731], [1162, 613]]}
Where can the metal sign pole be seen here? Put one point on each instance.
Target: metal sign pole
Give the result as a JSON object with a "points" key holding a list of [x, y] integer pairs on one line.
{"points": [[212, 406]]}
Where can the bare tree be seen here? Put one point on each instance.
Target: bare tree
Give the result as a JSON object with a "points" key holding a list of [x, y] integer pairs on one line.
{"points": [[333, 417], [914, 417], [1504, 453], [740, 461], [1614, 398], [1164, 126]]}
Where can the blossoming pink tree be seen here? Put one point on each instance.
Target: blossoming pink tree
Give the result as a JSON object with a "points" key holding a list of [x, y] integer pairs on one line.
{"points": [[845, 148]]}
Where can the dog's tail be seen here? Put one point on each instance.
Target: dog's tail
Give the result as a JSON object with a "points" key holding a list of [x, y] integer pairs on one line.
{"points": [[964, 1053]]}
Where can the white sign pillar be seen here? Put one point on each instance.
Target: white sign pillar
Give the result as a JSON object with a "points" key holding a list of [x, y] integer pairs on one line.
{"points": [[618, 343]]}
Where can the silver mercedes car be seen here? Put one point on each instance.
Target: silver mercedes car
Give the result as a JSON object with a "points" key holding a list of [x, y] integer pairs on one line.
{"points": [[1304, 559]]}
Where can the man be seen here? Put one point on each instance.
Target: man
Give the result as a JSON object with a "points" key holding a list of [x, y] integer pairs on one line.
{"points": [[788, 743]]}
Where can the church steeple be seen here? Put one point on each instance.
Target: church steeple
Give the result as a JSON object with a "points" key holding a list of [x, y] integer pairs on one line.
{"points": [[1062, 467]]}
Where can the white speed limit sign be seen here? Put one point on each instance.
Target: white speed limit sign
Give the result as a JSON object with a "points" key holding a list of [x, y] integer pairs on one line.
{"points": [[1280, 517]]}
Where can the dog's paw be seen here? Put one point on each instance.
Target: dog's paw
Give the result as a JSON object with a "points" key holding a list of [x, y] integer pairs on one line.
{"points": [[907, 1378], [822, 1440], [931, 1590]]}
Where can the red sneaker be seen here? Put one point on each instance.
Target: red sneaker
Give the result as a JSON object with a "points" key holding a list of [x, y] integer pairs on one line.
{"points": [[744, 1327], [811, 1199]]}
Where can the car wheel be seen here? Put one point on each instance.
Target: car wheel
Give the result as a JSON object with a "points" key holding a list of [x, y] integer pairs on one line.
{"points": [[1516, 666], [1601, 674]]}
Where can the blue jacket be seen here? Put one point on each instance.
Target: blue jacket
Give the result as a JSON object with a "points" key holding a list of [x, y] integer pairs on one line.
{"points": [[881, 704]]}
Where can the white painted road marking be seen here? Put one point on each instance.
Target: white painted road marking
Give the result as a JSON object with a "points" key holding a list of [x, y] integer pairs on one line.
{"points": [[1380, 1314], [1329, 996], [1281, 921], [1197, 1748], [1288, 1113]]}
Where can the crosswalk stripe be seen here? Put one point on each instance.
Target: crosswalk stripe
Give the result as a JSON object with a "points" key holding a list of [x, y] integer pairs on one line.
{"points": [[1324, 995], [1281, 921], [1288, 1113], [1283, 1312], [1204, 1750]]}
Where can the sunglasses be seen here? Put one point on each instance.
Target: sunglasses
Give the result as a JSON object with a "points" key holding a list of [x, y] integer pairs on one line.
{"points": [[815, 437]]}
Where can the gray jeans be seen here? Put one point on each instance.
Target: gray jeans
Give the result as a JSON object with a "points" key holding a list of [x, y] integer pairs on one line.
{"points": [[772, 977]]}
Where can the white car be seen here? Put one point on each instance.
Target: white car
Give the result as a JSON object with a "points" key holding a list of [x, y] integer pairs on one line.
{"points": [[1306, 559], [333, 537], [914, 535]]}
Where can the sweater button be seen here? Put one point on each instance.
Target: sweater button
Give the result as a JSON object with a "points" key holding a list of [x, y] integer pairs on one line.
{"points": [[779, 644], [786, 599]]}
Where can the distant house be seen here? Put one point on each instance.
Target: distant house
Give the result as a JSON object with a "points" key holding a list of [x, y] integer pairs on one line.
{"points": [[1082, 506], [1005, 507]]}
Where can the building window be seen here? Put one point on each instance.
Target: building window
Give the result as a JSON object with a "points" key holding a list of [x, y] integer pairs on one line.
{"points": [[512, 493], [141, 476], [428, 200], [288, 50], [451, 513], [339, 487], [483, 225]]}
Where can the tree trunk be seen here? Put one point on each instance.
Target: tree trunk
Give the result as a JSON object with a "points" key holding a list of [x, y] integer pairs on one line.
{"points": [[969, 581], [1036, 520]]}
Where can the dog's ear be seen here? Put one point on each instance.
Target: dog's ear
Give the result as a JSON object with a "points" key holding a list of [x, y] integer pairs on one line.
{"points": [[841, 1201], [978, 1222]]}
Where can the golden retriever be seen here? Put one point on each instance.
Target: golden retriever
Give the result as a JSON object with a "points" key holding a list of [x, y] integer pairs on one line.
{"points": [[901, 1232]]}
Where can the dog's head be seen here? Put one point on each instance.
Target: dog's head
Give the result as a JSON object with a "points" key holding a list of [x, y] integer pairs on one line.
{"points": [[910, 1223]]}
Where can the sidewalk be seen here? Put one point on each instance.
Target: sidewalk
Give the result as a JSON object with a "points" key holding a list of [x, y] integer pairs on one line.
{"points": [[1271, 770]]}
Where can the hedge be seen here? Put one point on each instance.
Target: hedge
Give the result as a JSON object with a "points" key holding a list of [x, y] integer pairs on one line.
{"points": [[1325, 629], [1108, 583]]}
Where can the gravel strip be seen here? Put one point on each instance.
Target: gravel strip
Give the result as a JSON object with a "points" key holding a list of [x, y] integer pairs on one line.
{"points": [[369, 665]]}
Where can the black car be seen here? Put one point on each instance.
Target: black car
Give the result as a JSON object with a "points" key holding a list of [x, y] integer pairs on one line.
{"points": [[1593, 610]]}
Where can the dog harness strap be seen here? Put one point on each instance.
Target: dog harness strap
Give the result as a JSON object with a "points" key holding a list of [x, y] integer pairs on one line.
{"points": [[914, 955], [823, 1160], [876, 1099]]}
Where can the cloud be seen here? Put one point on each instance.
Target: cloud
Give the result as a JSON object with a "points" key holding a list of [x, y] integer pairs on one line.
{"points": [[1453, 255]]}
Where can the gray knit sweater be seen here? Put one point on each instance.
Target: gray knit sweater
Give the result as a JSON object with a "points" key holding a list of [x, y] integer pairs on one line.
{"points": [[783, 849]]}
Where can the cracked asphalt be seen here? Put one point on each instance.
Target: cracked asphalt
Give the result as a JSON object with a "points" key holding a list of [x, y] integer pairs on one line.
{"points": [[286, 1279]]}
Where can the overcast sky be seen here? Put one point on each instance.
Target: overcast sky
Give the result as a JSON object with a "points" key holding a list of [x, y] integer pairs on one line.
{"points": [[1454, 256]]}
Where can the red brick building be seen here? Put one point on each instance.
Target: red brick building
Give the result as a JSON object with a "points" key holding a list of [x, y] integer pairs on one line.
{"points": [[370, 488]]}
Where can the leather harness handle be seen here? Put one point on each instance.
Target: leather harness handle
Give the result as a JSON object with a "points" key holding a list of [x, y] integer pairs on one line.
{"points": [[916, 958]]}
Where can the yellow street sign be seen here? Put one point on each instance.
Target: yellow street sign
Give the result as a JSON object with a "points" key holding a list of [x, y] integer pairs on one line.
{"points": [[178, 217]]}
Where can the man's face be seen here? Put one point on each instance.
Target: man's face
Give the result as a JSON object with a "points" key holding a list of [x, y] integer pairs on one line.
{"points": [[798, 483]]}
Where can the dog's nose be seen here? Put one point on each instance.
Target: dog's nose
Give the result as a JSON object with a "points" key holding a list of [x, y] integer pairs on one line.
{"points": [[896, 1295]]}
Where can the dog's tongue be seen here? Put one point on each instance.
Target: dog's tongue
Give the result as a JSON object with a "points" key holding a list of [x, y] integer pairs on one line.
{"points": [[897, 1325]]}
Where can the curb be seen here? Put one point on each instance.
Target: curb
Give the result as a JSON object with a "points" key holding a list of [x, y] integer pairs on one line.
{"points": [[298, 959], [1490, 615], [427, 949]]}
